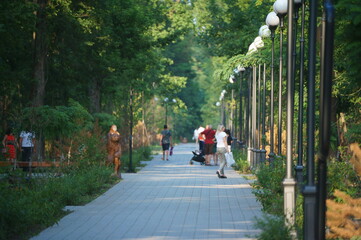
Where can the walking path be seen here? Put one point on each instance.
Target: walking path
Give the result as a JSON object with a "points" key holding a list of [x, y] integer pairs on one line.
{"points": [[166, 200]]}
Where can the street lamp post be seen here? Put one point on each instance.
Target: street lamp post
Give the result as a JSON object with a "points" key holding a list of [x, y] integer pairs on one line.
{"points": [[241, 71], [272, 21], [130, 167], [254, 117], [325, 113], [263, 150], [249, 118], [289, 183], [280, 8], [309, 190], [264, 31], [299, 166], [166, 110]]}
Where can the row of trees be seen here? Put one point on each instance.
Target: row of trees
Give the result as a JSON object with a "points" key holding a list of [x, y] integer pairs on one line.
{"points": [[66, 65]]}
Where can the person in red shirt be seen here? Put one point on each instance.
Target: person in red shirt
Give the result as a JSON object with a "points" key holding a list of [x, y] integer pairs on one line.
{"points": [[208, 134]]}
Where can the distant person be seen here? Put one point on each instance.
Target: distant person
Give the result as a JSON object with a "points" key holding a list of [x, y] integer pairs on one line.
{"points": [[166, 142], [27, 143], [209, 143], [222, 148], [114, 150], [201, 139], [229, 139], [10, 145], [195, 135]]}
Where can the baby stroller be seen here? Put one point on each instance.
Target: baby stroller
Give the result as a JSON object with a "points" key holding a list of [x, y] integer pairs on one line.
{"points": [[197, 157]]}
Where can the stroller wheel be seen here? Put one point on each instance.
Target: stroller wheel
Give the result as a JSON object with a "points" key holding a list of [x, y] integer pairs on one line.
{"points": [[191, 162]]}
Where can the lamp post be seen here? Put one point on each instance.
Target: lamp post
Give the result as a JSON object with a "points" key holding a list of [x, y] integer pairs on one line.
{"points": [[221, 99], [280, 8], [130, 167], [249, 118], [299, 166], [272, 21], [264, 31], [166, 100], [254, 117], [289, 183], [241, 71], [325, 113], [309, 190], [166, 111], [232, 79]]}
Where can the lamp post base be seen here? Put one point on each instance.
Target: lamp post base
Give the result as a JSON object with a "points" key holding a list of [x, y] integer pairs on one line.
{"points": [[289, 185]]}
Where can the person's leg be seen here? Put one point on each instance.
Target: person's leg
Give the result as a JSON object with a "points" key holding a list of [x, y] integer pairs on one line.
{"points": [[117, 167], [222, 160]]}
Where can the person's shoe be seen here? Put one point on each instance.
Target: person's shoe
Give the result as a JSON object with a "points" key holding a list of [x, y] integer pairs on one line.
{"points": [[167, 159], [218, 174], [223, 176]]}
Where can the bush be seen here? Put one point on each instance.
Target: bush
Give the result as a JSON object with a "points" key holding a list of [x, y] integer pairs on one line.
{"points": [[240, 157], [30, 204], [343, 177], [268, 186], [273, 228]]}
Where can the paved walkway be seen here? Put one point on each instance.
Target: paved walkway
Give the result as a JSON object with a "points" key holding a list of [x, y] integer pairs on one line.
{"points": [[166, 200]]}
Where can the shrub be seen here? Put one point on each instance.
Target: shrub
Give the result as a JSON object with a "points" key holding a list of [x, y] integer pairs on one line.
{"points": [[240, 157], [273, 228], [268, 186], [28, 204]]}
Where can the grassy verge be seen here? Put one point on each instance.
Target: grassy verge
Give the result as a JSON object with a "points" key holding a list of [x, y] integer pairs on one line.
{"points": [[29, 205]]}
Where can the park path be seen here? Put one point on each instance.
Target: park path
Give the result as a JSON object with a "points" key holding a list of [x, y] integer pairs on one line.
{"points": [[166, 200]]}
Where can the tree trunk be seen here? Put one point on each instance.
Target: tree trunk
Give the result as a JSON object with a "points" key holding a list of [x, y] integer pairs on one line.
{"points": [[40, 54], [94, 96]]}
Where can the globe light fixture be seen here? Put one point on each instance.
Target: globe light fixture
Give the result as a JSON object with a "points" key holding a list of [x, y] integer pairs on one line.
{"points": [[281, 7], [272, 20], [258, 42], [264, 31]]}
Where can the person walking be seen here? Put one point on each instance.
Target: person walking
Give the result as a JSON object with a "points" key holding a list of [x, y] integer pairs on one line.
{"points": [[10, 145], [209, 142], [27, 143], [222, 148], [114, 150], [166, 142]]}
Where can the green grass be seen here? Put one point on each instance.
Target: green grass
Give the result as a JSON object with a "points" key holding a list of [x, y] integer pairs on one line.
{"points": [[29, 205]]}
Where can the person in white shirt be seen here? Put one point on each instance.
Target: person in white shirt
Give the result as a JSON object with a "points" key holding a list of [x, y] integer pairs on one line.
{"points": [[27, 144], [222, 148]]}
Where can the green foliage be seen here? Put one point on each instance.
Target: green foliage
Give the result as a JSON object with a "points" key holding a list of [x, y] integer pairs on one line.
{"points": [[268, 187], [138, 155], [240, 157], [354, 133], [59, 121], [343, 177], [273, 228], [30, 204]]}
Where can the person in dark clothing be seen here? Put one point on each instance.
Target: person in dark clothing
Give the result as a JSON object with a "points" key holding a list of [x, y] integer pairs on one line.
{"points": [[229, 138]]}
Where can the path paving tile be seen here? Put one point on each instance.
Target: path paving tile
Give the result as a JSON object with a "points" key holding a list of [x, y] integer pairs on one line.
{"points": [[166, 200]]}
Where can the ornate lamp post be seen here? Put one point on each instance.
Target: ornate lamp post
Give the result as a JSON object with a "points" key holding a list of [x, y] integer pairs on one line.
{"points": [[264, 31], [272, 21], [309, 190], [280, 8], [299, 166], [289, 183], [241, 134]]}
